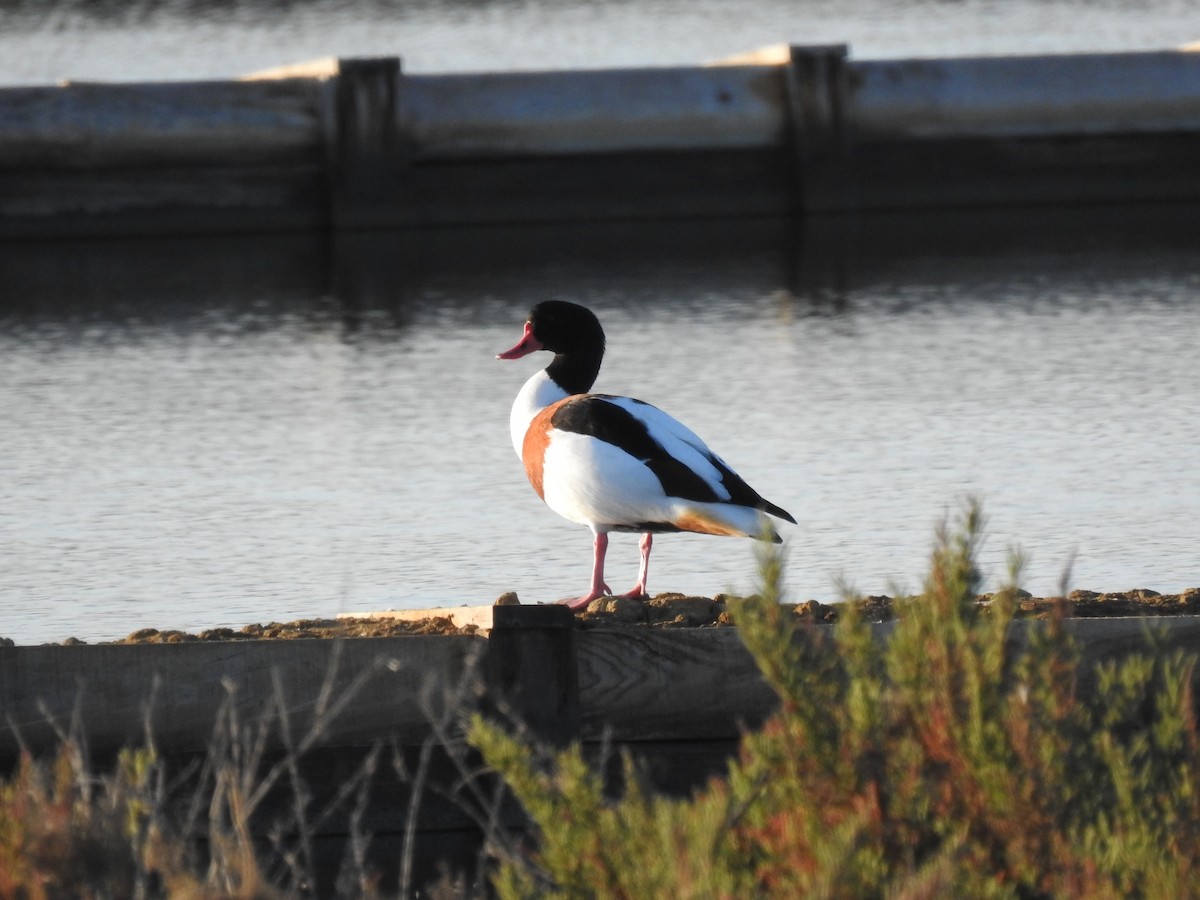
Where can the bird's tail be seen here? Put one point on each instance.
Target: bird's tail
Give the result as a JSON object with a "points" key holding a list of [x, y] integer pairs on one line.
{"points": [[768, 507], [726, 519]]}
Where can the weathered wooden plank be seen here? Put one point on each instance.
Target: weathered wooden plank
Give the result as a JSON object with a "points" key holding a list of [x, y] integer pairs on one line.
{"points": [[998, 173], [587, 112], [645, 684], [1078, 94], [1100, 640], [202, 123], [339, 794], [172, 192], [648, 684], [378, 688], [614, 186]]}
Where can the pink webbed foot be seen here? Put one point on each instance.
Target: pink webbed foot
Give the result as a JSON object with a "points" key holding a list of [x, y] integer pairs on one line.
{"points": [[639, 589], [581, 602], [599, 588]]}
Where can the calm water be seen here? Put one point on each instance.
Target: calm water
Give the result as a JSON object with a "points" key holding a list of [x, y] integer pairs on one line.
{"points": [[46, 40], [226, 431], [201, 433]]}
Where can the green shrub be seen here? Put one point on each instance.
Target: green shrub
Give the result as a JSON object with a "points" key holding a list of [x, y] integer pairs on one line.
{"points": [[952, 760], [65, 834]]}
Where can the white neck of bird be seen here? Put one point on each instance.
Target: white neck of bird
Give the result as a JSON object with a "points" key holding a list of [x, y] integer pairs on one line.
{"points": [[539, 392]]}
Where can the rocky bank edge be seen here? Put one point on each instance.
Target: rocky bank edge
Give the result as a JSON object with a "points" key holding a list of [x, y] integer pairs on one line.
{"points": [[673, 611]]}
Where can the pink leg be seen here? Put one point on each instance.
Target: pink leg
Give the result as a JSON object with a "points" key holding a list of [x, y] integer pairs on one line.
{"points": [[599, 588], [639, 589]]}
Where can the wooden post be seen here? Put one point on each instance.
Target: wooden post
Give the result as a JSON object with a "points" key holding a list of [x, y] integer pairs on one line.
{"points": [[532, 672], [369, 147], [817, 92]]}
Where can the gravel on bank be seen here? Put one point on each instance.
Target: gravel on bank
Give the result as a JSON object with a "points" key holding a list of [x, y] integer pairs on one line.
{"points": [[672, 611]]}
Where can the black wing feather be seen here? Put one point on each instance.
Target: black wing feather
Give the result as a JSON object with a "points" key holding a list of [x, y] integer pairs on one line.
{"points": [[594, 416]]}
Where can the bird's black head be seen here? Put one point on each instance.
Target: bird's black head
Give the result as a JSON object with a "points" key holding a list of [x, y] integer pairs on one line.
{"points": [[564, 327], [573, 334]]}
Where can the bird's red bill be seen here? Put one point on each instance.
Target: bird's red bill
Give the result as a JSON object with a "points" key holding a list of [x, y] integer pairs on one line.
{"points": [[526, 345]]}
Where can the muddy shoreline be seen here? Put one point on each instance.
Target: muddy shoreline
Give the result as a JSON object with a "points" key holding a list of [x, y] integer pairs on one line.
{"points": [[670, 611]]}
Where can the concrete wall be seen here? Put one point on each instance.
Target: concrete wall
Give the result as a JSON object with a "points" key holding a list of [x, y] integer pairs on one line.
{"points": [[360, 144]]}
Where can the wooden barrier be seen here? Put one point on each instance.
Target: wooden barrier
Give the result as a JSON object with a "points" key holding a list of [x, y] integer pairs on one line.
{"points": [[361, 144], [113, 695], [677, 699], [625, 684]]}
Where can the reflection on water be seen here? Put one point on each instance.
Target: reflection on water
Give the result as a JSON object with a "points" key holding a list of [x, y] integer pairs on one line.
{"points": [[219, 431]]}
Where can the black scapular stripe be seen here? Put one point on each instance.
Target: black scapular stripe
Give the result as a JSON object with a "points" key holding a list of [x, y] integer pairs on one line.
{"points": [[596, 417]]}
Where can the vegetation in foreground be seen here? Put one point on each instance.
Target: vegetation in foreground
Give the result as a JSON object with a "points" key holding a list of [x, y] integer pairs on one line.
{"points": [[950, 762]]}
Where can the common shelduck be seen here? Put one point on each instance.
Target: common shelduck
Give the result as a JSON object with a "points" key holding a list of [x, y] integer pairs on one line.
{"points": [[615, 463]]}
